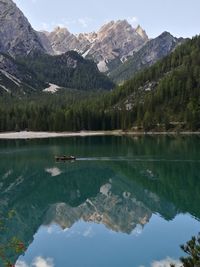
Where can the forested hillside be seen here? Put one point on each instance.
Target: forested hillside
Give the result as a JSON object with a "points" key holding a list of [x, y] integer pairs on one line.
{"points": [[148, 55], [68, 70], [164, 97]]}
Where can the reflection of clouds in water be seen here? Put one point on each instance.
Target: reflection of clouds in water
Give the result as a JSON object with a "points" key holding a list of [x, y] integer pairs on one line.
{"points": [[53, 171], [37, 262], [138, 230], [8, 173], [40, 262], [49, 230], [56, 229], [88, 232], [21, 264], [166, 263]]}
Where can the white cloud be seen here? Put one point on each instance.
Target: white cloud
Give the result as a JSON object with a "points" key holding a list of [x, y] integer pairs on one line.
{"points": [[166, 263], [84, 22], [44, 26], [133, 21], [66, 23]]}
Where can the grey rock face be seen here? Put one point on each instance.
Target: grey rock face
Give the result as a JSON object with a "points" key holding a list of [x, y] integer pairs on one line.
{"points": [[45, 42], [149, 54], [15, 78], [117, 213], [115, 41], [17, 37], [62, 41]]}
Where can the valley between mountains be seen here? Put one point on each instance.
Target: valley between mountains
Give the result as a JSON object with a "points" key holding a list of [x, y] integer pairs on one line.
{"points": [[115, 78]]}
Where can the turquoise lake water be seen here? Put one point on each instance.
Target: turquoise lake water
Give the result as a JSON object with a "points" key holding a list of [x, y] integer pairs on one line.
{"points": [[125, 201]]}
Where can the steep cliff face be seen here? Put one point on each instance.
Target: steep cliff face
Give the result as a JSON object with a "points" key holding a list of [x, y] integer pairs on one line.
{"points": [[115, 41], [17, 37], [45, 42], [62, 41]]}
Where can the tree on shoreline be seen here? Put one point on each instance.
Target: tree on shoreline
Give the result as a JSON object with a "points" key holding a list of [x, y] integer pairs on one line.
{"points": [[192, 249]]}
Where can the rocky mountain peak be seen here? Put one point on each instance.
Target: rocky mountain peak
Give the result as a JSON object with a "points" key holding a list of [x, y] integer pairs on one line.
{"points": [[61, 30], [62, 40], [17, 37], [154, 50], [114, 42], [142, 32], [114, 27]]}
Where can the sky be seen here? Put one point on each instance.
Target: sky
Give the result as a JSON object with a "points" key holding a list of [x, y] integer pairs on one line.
{"points": [[179, 17]]}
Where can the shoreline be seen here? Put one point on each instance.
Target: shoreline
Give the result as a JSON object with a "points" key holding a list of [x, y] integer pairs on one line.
{"points": [[42, 135]]}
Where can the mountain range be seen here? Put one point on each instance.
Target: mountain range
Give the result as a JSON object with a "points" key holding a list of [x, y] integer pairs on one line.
{"points": [[118, 49], [110, 46], [149, 54]]}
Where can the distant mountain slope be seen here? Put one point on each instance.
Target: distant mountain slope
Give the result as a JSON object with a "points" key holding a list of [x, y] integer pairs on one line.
{"points": [[165, 95], [25, 66], [67, 70], [149, 54], [108, 47], [16, 79], [32, 74], [17, 37]]}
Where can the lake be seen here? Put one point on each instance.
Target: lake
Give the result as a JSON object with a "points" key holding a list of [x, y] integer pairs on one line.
{"points": [[125, 201]]}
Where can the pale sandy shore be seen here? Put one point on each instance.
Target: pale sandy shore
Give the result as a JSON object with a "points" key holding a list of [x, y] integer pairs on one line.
{"points": [[35, 135]]}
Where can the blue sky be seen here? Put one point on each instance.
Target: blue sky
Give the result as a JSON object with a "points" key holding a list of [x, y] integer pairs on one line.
{"points": [[180, 17]]}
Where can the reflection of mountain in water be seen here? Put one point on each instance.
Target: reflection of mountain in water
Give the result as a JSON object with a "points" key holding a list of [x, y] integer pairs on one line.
{"points": [[118, 194], [121, 213]]}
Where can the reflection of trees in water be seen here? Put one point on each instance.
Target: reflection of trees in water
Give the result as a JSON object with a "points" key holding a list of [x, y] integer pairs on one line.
{"points": [[135, 191], [13, 245], [192, 250]]}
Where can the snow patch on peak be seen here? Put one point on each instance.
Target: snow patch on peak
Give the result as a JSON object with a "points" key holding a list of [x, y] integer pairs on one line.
{"points": [[102, 66]]}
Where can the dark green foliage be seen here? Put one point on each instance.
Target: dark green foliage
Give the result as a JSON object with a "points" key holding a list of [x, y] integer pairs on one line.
{"points": [[164, 97], [192, 249], [69, 70], [29, 82], [174, 94]]}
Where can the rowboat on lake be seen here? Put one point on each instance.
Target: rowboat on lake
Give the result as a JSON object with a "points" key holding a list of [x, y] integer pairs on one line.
{"points": [[64, 158]]}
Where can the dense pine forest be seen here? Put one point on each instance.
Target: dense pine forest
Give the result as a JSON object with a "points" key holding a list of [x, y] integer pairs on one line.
{"points": [[67, 70], [163, 97]]}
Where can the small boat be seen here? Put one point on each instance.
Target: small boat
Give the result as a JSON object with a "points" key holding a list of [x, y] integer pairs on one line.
{"points": [[64, 158]]}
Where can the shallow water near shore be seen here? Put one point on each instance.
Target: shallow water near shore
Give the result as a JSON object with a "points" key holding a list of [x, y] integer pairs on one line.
{"points": [[125, 201]]}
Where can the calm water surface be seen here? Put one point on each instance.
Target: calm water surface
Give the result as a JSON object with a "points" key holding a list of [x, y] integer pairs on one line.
{"points": [[126, 202]]}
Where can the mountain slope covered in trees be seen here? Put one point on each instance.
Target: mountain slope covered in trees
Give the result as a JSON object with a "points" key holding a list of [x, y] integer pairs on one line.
{"points": [[33, 73], [149, 54], [16, 79], [164, 97], [67, 70]]}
